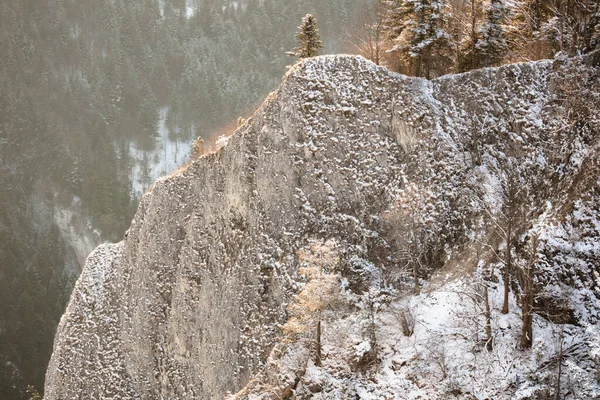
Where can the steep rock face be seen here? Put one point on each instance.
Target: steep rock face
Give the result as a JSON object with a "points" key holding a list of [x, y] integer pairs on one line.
{"points": [[208, 264], [189, 305]]}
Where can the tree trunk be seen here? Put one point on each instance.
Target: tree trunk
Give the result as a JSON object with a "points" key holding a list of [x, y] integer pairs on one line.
{"points": [[417, 288], [318, 362], [527, 310], [489, 345], [507, 268], [473, 21], [560, 360], [506, 290], [372, 329], [418, 67], [527, 329]]}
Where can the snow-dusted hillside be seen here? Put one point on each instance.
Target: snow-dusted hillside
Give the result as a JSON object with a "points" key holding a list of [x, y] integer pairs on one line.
{"points": [[168, 155], [410, 182]]}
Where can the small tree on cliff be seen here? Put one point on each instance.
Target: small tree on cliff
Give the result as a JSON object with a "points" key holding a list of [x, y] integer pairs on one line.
{"points": [[308, 37], [318, 265], [33, 393], [413, 230]]}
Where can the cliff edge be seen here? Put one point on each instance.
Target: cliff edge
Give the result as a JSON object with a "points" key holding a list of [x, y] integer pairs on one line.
{"points": [[190, 304]]}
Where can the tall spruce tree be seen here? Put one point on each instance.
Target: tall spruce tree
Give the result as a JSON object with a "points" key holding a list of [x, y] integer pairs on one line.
{"points": [[492, 45], [468, 54], [416, 29], [528, 32], [486, 44], [308, 37], [576, 26]]}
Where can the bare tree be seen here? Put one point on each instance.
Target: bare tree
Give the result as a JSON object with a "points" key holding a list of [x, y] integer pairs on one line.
{"points": [[559, 362], [370, 357], [467, 37], [478, 318], [412, 224], [485, 296], [506, 221], [439, 356], [525, 36], [369, 39], [527, 273], [489, 343], [508, 225], [576, 25], [460, 20], [319, 293], [476, 134], [405, 315]]}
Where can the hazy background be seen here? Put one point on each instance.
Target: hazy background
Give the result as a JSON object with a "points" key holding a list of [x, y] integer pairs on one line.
{"points": [[97, 99]]}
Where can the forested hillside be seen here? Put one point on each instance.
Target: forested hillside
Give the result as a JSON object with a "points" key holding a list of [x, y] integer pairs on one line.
{"points": [[85, 86]]}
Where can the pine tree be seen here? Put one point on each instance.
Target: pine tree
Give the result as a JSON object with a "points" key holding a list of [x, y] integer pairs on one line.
{"points": [[308, 37], [413, 232], [486, 45], [468, 57], [493, 46], [416, 30]]}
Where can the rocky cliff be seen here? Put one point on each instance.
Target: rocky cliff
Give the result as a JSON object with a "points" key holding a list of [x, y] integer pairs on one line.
{"points": [[191, 303]]}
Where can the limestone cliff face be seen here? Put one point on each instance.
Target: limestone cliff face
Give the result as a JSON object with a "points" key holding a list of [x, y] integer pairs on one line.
{"points": [[193, 295], [189, 304]]}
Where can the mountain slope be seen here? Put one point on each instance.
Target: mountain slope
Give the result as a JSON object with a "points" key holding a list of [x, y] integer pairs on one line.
{"points": [[190, 305]]}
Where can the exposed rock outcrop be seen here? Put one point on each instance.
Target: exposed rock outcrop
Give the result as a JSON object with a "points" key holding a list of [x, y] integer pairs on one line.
{"points": [[189, 304]]}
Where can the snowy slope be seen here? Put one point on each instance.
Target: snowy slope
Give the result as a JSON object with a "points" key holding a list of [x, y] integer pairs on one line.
{"points": [[166, 157]]}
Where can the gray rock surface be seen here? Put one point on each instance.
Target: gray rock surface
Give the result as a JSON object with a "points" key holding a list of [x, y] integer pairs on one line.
{"points": [[188, 305]]}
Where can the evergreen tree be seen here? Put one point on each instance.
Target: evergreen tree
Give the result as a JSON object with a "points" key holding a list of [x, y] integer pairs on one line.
{"points": [[487, 46], [416, 29], [308, 37], [468, 55], [576, 26], [527, 33], [492, 45]]}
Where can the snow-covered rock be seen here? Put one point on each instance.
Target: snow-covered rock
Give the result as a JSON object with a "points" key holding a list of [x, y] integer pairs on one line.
{"points": [[191, 303]]}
